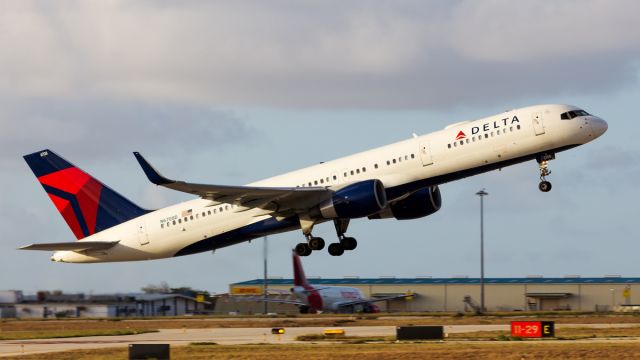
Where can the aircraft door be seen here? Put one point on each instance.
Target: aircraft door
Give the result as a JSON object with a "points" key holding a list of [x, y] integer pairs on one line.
{"points": [[143, 237], [425, 154], [538, 126]]}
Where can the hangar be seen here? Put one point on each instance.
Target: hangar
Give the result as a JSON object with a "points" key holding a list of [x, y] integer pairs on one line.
{"points": [[459, 294]]}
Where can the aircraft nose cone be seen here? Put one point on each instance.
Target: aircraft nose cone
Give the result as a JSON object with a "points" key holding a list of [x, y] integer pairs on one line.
{"points": [[599, 127]]}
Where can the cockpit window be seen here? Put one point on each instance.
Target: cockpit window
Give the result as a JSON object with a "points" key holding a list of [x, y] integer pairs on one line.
{"points": [[573, 114]]}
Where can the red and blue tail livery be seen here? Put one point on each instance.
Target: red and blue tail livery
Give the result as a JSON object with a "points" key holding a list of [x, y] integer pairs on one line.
{"points": [[87, 205]]}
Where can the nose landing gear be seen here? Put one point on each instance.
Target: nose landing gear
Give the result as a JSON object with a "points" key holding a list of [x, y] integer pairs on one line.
{"points": [[543, 163]]}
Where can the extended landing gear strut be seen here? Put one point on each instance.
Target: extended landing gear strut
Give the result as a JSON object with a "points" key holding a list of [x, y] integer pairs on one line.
{"points": [[316, 243], [543, 163], [313, 243], [345, 243]]}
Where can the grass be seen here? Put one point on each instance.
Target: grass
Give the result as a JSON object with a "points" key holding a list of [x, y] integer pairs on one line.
{"points": [[56, 334], [482, 350]]}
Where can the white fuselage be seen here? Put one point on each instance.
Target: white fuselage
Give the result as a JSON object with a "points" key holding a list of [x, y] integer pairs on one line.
{"points": [[327, 298], [403, 167]]}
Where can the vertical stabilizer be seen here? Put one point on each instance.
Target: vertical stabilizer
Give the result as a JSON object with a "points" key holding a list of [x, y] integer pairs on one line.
{"points": [[87, 205], [299, 279]]}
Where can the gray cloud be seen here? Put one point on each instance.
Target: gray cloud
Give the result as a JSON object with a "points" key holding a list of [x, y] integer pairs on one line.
{"points": [[95, 130], [318, 54]]}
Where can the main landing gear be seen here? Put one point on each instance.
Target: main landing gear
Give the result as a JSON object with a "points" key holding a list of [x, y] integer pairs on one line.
{"points": [[316, 243], [543, 163]]}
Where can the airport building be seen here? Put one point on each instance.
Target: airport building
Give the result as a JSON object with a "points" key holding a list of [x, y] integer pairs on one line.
{"points": [[459, 294], [13, 304]]}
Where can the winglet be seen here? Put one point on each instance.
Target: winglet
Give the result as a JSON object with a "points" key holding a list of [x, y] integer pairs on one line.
{"points": [[152, 174]]}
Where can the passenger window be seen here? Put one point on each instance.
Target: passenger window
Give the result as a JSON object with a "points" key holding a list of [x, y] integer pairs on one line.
{"points": [[321, 181], [388, 163], [352, 172], [486, 136], [315, 182], [467, 141], [364, 169], [309, 184], [335, 177], [511, 128], [161, 226], [209, 212], [394, 161], [461, 142], [473, 139], [375, 166], [455, 144], [449, 146], [191, 217], [358, 171], [406, 157], [226, 207], [345, 174], [179, 221], [400, 159], [413, 156], [518, 126], [174, 222]]}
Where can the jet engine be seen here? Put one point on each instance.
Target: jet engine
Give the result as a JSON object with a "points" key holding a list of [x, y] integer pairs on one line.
{"points": [[421, 203], [355, 201]]}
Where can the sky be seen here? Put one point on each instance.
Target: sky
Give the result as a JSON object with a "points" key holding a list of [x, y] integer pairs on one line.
{"points": [[230, 92]]}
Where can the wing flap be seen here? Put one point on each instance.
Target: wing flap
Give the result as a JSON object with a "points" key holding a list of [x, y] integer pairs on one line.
{"points": [[71, 246]]}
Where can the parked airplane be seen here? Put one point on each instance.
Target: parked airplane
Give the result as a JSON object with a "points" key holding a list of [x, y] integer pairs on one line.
{"points": [[395, 181], [313, 299]]}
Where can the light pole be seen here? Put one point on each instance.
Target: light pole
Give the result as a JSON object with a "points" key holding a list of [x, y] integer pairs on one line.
{"points": [[266, 281], [482, 194]]}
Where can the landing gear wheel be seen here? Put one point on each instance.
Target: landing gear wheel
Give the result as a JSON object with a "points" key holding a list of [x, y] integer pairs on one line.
{"points": [[316, 243], [349, 243], [544, 186], [303, 249], [336, 249]]}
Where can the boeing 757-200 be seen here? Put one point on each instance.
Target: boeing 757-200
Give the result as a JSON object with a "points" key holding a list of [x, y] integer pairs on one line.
{"points": [[395, 181]]}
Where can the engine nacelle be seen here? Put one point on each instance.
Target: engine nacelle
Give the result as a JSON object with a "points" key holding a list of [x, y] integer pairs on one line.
{"points": [[357, 200], [421, 203]]}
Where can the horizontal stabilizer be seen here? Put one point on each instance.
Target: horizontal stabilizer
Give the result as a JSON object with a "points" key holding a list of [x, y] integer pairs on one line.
{"points": [[72, 246]]}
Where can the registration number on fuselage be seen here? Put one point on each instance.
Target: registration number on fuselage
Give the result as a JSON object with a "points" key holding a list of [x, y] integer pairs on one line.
{"points": [[169, 219]]}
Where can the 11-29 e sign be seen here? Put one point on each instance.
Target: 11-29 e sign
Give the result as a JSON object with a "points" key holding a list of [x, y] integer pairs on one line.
{"points": [[532, 329]]}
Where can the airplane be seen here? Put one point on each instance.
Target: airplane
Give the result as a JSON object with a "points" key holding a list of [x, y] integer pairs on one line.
{"points": [[312, 299], [400, 181]]}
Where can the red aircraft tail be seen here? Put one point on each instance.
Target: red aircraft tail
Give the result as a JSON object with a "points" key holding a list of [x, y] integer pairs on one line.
{"points": [[299, 279]]}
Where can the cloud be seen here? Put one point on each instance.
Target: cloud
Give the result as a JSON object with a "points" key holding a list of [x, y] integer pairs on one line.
{"points": [[317, 54], [95, 130]]}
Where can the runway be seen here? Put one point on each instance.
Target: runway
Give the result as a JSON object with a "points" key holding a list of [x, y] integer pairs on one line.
{"points": [[233, 336]]}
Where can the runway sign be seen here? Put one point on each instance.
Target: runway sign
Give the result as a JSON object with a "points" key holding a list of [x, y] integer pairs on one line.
{"points": [[532, 329], [149, 351], [419, 333]]}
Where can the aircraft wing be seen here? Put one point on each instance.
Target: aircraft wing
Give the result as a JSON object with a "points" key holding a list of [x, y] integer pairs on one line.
{"points": [[368, 301], [277, 301], [71, 246], [273, 199]]}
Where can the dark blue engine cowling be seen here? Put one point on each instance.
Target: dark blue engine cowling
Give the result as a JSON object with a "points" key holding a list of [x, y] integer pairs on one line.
{"points": [[421, 203], [355, 201]]}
